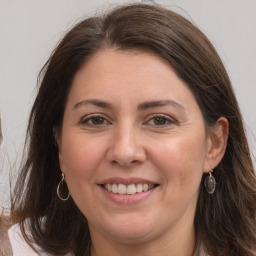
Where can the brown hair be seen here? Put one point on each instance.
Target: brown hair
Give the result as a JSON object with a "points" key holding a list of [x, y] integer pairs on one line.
{"points": [[224, 221]]}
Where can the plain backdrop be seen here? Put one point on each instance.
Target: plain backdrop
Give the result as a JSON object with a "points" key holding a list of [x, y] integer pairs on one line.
{"points": [[29, 30]]}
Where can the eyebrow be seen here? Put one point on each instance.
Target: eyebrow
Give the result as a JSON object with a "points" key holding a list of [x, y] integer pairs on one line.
{"points": [[142, 106], [160, 103], [95, 102]]}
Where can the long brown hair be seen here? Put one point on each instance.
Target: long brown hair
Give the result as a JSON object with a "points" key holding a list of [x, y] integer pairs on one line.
{"points": [[224, 221]]}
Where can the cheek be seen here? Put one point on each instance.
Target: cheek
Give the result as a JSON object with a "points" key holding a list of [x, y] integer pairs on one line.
{"points": [[80, 159], [181, 161], [79, 156]]}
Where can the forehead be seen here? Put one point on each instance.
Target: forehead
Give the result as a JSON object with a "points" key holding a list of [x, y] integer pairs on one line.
{"points": [[112, 69], [127, 78]]}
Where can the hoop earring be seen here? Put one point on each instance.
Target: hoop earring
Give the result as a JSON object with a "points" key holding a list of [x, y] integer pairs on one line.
{"points": [[210, 183], [58, 188]]}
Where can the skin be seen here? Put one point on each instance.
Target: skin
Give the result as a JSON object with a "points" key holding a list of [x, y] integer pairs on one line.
{"points": [[110, 131]]}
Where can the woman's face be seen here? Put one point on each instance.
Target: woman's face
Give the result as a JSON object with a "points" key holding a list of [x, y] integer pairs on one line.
{"points": [[133, 147]]}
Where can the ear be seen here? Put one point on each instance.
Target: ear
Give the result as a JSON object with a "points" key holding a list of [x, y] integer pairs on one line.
{"points": [[57, 136], [216, 144]]}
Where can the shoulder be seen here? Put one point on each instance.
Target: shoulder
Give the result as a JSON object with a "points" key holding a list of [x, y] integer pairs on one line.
{"points": [[202, 251], [19, 245]]}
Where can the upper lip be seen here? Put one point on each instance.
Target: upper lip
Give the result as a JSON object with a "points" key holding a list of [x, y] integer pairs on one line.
{"points": [[126, 181]]}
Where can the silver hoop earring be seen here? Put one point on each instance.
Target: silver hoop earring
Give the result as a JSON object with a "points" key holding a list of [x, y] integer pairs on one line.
{"points": [[210, 183], [62, 182]]}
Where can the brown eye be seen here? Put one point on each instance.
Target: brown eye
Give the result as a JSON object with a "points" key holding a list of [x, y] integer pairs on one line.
{"points": [[160, 120], [97, 120], [94, 121]]}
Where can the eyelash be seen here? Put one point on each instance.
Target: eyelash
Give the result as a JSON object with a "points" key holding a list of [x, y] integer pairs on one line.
{"points": [[167, 120], [88, 120]]}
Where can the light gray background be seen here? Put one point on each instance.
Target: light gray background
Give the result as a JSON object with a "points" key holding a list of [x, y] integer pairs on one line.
{"points": [[30, 29]]}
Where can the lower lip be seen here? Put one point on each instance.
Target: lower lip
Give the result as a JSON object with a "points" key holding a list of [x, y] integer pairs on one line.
{"points": [[127, 199]]}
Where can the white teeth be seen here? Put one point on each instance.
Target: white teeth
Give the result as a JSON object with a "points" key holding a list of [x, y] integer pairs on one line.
{"points": [[109, 187], [114, 189], [131, 189], [121, 189], [128, 190], [145, 187], [139, 188]]}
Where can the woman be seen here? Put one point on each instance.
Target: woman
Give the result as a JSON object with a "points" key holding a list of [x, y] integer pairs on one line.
{"points": [[1, 218], [136, 144], [5, 247]]}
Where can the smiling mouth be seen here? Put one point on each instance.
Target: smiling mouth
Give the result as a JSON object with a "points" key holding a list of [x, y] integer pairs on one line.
{"points": [[130, 189]]}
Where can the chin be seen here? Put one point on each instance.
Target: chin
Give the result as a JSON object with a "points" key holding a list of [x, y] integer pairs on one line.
{"points": [[130, 233], [132, 237]]}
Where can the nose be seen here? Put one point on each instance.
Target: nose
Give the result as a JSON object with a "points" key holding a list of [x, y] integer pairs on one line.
{"points": [[126, 148]]}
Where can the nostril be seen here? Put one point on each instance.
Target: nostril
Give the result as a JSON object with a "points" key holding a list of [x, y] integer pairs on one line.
{"points": [[124, 163], [135, 162], [114, 162]]}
